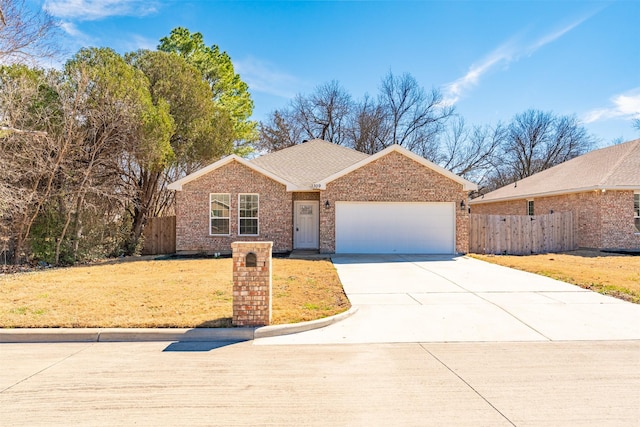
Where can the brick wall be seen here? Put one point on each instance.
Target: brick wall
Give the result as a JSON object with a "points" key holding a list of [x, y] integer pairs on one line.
{"points": [[299, 195], [603, 220], [618, 228], [512, 207], [587, 213], [192, 210], [392, 178], [252, 285]]}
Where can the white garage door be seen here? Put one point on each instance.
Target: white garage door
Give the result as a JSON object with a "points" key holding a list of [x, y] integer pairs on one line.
{"points": [[402, 228]]}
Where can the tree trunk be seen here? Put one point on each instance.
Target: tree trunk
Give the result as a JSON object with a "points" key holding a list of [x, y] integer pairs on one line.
{"points": [[148, 186]]}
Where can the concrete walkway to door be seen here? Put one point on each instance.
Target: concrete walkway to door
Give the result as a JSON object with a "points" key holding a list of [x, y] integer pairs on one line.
{"points": [[412, 298]]}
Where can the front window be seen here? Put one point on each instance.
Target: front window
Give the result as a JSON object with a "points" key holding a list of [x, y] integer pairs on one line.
{"points": [[248, 214], [636, 210], [219, 214], [530, 210]]}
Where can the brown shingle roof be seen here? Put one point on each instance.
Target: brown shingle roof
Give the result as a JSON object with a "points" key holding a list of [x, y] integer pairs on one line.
{"points": [[309, 162], [615, 167], [312, 164]]}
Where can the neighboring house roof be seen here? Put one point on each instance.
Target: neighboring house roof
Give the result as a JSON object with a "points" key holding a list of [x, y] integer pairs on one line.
{"points": [[612, 168], [313, 164]]}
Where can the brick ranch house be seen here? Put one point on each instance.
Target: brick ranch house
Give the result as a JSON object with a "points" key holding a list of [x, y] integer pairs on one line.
{"points": [[325, 197], [601, 189]]}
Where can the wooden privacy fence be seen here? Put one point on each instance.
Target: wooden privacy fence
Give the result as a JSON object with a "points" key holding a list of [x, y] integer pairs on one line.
{"points": [[521, 234], [159, 236]]}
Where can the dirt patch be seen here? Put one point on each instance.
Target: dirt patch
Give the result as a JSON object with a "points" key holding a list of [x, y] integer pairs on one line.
{"points": [[181, 293]]}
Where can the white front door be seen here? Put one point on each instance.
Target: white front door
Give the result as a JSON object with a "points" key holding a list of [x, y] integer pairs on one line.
{"points": [[306, 224]]}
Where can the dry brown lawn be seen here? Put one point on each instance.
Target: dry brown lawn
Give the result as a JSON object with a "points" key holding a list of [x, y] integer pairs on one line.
{"points": [[610, 274], [168, 293]]}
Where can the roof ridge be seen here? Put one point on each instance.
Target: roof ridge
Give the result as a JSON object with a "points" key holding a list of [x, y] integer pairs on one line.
{"points": [[621, 159], [309, 162], [310, 141]]}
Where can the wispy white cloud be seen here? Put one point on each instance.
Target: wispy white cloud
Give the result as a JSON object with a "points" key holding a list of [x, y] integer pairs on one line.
{"points": [[511, 51], [72, 12], [76, 39], [500, 56], [266, 78], [623, 106], [91, 10], [555, 35], [71, 29]]}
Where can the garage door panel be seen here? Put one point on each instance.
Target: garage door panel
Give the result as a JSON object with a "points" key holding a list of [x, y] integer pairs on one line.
{"points": [[375, 227]]}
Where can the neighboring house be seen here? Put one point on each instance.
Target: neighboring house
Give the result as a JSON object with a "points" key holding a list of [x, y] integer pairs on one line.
{"points": [[322, 196], [601, 188]]}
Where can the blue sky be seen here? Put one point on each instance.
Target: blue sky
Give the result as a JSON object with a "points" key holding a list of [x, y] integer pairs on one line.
{"points": [[492, 59]]}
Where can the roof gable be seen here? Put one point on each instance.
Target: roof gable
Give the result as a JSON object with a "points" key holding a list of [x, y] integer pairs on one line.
{"points": [[611, 168], [466, 185], [177, 185]]}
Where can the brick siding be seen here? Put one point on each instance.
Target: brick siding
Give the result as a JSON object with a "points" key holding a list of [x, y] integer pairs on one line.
{"points": [[618, 227], [603, 220], [299, 195], [275, 220]]}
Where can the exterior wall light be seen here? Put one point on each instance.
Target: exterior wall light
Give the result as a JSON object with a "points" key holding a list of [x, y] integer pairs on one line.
{"points": [[327, 205]]}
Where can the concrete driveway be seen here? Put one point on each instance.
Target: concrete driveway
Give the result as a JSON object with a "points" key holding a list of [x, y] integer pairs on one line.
{"points": [[410, 298]]}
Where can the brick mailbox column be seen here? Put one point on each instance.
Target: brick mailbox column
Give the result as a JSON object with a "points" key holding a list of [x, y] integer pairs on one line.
{"points": [[251, 283]]}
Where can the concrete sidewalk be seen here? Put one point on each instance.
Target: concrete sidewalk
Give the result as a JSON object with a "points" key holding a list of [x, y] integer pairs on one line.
{"points": [[414, 298], [429, 384]]}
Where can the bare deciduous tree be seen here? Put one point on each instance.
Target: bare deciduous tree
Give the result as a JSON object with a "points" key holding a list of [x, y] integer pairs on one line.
{"points": [[26, 34], [536, 140], [325, 113], [279, 131], [33, 162], [368, 131], [469, 152], [403, 113], [415, 117]]}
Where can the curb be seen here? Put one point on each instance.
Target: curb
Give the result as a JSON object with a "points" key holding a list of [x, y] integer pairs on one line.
{"points": [[68, 335], [294, 328]]}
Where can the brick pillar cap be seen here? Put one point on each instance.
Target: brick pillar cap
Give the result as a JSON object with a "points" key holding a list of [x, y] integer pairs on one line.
{"points": [[260, 244]]}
